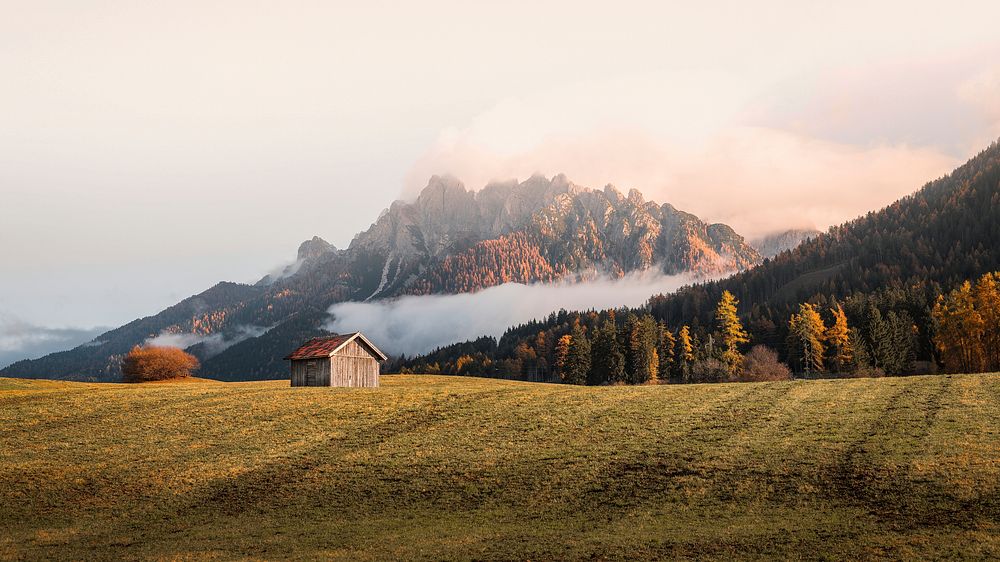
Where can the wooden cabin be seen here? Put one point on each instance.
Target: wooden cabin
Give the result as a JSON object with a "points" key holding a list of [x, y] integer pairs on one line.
{"points": [[338, 360]]}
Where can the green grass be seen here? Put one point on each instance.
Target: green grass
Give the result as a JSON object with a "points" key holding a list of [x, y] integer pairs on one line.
{"points": [[461, 468]]}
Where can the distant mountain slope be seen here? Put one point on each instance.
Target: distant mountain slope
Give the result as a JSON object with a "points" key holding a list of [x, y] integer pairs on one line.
{"points": [[448, 240]]}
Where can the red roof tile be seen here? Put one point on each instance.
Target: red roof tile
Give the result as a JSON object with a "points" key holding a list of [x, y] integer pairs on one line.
{"points": [[319, 347]]}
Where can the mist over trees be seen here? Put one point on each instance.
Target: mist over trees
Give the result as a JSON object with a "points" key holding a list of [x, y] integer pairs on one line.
{"points": [[865, 335], [898, 291], [614, 347]]}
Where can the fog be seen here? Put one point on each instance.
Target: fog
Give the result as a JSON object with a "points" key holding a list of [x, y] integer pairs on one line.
{"points": [[418, 324], [23, 340], [214, 343]]}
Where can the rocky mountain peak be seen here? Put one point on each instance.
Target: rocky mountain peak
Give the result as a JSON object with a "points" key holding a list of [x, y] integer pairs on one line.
{"points": [[612, 194], [635, 197], [311, 249], [441, 190]]}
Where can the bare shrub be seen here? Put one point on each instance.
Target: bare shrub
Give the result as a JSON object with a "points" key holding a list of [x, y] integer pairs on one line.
{"points": [[762, 364], [150, 363]]}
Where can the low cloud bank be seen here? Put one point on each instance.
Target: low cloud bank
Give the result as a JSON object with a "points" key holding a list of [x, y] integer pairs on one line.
{"points": [[418, 324], [23, 340], [214, 343]]}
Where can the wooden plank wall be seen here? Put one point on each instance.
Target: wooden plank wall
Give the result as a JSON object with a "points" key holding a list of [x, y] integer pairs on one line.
{"points": [[353, 366], [319, 368]]}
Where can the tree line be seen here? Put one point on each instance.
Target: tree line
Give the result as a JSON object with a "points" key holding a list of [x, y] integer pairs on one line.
{"points": [[864, 335], [615, 347]]}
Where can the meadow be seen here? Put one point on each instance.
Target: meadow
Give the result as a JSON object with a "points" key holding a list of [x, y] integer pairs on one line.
{"points": [[430, 467]]}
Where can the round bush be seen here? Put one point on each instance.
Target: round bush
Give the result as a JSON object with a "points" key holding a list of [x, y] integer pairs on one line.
{"points": [[149, 363]]}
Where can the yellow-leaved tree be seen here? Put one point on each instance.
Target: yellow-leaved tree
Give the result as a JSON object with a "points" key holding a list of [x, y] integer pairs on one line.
{"points": [[838, 340], [805, 338], [959, 330], [988, 306], [685, 353], [731, 332]]}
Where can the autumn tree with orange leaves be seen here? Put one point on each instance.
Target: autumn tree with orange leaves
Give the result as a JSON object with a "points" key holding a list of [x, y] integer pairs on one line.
{"points": [[150, 363]]}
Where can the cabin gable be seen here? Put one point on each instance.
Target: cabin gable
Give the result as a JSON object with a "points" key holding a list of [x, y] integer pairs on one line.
{"points": [[340, 360]]}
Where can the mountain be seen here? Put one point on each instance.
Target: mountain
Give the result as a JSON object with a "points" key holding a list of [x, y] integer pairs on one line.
{"points": [[890, 263], [773, 244], [449, 240]]}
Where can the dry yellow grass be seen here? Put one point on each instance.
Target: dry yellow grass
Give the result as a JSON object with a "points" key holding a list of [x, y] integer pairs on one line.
{"points": [[459, 468]]}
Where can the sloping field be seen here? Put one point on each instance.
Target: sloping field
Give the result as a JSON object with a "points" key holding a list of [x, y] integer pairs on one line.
{"points": [[437, 467]]}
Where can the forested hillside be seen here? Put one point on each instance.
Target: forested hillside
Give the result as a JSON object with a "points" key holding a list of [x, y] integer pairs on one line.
{"points": [[884, 270]]}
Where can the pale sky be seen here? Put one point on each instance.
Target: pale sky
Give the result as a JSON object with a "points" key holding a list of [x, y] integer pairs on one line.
{"points": [[149, 150]]}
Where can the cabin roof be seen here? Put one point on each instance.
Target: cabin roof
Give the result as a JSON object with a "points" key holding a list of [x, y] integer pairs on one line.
{"points": [[322, 347]]}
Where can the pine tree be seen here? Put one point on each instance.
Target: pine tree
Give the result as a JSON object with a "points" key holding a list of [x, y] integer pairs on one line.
{"points": [[685, 354], [731, 332], [633, 363], [879, 338], [805, 334], [577, 365], [837, 338], [861, 360], [607, 359], [900, 357]]}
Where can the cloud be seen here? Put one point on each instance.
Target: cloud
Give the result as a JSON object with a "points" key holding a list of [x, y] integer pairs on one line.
{"points": [[758, 180], [418, 324], [762, 153], [214, 344], [22, 340], [982, 91], [182, 340]]}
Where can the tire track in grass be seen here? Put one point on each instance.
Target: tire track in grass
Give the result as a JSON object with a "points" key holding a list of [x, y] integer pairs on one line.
{"points": [[937, 501], [574, 464], [329, 457], [877, 473], [686, 468]]}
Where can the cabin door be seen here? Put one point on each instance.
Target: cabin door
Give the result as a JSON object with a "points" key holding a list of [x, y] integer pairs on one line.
{"points": [[312, 372]]}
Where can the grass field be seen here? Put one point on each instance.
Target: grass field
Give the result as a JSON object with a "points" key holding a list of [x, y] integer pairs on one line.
{"points": [[445, 468]]}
